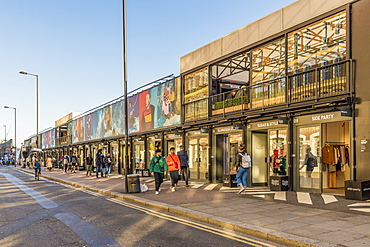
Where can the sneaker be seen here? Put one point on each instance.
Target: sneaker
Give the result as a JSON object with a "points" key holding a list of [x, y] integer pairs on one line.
{"points": [[241, 190], [173, 189], [157, 192]]}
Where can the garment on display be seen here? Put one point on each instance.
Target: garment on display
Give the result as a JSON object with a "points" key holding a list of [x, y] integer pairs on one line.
{"points": [[335, 157]]}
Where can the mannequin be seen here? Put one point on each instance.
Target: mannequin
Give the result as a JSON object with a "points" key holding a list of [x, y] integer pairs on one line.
{"points": [[275, 162]]}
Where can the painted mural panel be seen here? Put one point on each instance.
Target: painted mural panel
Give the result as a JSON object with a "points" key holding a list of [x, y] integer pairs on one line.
{"points": [[88, 127], [147, 109], [133, 114], [168, 103], [104, 123], [118, 126]]}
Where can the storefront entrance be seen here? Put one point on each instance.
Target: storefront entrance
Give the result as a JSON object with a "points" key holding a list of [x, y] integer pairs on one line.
{"points": [[323, 148], [268, 149], [198, 149], [226, 141]]}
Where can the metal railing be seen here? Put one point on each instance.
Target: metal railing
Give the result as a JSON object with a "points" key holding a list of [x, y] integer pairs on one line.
{"points": [[196, 110], [314, 84], [63, 140]]}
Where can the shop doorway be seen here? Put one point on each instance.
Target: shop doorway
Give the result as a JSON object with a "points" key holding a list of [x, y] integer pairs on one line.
{"points": [[259, 153], [226, 151], [198, 158], [323, 164]]}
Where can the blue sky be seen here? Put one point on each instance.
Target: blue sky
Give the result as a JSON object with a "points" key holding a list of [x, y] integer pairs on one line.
{"points": [[75, 46]]}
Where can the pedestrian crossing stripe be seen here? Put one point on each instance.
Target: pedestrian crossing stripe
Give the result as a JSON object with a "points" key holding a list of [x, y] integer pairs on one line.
{"points": [[211, 186]]}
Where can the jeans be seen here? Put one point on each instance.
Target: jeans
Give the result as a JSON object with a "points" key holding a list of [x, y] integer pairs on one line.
{"points": [[241, 176], [174, 177], [99, 168], [158, 177], [37, 170], [185, 174], [107, 169]]}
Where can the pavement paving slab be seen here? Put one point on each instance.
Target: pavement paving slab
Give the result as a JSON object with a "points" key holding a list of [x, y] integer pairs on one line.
{"points": [[284, 223]]}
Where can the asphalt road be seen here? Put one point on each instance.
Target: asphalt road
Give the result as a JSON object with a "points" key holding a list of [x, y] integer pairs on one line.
{"points": [[45, 213]]}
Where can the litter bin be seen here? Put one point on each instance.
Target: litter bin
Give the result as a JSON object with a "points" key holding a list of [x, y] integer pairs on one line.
{"points": [[133, 183]]}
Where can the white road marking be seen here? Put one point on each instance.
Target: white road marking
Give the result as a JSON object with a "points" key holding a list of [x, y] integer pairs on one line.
{"points": [[210, 187], [280, 195], [261, 196], [328, 198], [228, 188], [259, 192], [197, 185], [360, 204], [304, 197], [39, 198], [367, 210]]}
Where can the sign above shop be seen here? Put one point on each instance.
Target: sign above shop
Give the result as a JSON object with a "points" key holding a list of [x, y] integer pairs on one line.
{"points": [[204, 130], [346, 112], [282, 120], [224, 129], [237, 126], [364, 145]]}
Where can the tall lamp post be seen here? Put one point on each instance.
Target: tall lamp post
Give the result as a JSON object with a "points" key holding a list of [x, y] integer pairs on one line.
{"points": [[15, 125], [5, 142], [125, 92], [37, 104]]}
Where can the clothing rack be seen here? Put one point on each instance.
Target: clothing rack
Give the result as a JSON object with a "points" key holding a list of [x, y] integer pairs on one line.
{"points": [[336, 143]]}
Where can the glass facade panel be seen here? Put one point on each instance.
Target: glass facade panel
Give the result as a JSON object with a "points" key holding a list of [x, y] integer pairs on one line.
{"points": [[309, 148], [196, 95], [317, 44], [268, 70], [278, 152]]}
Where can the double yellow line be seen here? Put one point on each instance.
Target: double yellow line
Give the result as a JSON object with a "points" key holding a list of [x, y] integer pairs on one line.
{"points": [[193, 224]]}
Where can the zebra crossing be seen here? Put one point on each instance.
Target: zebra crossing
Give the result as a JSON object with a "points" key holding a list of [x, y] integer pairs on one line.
{"points": [[360, 206]]}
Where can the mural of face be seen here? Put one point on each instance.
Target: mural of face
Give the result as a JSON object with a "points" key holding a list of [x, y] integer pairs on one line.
{"points": [[147, 100]]}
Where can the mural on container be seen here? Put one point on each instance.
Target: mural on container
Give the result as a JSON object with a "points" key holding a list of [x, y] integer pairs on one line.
{"points": [[133, 114], [104, 123], [88, 127], [168, 103], [148, 102], [118, 127]]}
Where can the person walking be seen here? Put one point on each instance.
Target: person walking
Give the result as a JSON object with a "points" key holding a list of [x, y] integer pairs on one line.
{"points": [[66, 160], [49, 163], [74, 163], [173, 164], [37, 167], [108, 162], [99, 163], [158, 168], [89, 165], [184, 164], [243, 161]]}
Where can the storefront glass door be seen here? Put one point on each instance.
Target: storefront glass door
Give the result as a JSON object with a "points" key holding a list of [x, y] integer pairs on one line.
{"points": [[139, 156], [259, 159], [198, 158], [309, 166]]}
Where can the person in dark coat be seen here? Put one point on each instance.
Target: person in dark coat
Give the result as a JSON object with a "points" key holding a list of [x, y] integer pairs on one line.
{"points": [[184, 164]]}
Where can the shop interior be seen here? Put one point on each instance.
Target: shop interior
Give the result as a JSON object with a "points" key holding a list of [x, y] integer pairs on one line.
{"points": [[324, 159]]}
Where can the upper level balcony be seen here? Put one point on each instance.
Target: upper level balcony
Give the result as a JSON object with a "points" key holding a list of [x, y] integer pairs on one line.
{"points": [[310, 85]]}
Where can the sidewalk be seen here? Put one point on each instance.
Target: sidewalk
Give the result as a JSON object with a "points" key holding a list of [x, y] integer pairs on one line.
{"points": [[283, 223]]}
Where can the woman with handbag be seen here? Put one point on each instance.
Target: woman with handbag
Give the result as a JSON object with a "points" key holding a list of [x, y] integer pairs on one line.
{"points": [[158, 168]]}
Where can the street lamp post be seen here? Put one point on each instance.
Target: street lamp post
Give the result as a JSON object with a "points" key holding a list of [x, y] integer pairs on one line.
{"points": [[37, 104], [5, 142], [15, 125], [125, 92]]}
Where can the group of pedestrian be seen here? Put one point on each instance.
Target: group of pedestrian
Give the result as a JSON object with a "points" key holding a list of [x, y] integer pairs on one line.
{"points": [[103, 164], [176, 164]]}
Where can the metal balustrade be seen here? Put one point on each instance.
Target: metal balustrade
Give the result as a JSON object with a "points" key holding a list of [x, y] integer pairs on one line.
{"points": [[63, 140], [314, 84]]}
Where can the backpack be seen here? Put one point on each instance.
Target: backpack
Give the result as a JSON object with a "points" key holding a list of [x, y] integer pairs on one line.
{"points": [[246, 160]]}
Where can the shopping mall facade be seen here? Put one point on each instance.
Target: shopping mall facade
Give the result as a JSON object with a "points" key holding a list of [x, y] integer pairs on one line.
{"points": [[290, 84]]}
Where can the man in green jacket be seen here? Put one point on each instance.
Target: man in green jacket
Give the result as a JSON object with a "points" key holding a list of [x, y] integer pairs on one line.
{"points": [[158, 168]]}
